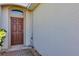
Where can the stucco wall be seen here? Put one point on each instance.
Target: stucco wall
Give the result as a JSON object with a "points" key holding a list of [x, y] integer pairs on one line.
{"points": [[56, 29], [5, 21], [28, 28]]}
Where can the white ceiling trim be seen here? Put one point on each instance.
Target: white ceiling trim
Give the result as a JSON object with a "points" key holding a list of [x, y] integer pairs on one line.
{"points": [[20, 4]]}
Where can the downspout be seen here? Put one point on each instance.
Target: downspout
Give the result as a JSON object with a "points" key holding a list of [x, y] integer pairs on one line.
{"points": [[32, 41]]}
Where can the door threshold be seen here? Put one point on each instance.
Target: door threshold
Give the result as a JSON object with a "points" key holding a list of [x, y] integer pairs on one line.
{"points": [[17, 47]]}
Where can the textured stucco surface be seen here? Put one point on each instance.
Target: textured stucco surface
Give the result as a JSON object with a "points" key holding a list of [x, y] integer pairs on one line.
{"points": [[56, 29]]}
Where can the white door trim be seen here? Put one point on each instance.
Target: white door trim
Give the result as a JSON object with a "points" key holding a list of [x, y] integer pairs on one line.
{"points": [[9, 24]]}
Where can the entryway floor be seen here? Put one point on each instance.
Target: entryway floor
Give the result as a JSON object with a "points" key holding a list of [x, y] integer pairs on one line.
{"points": [[22, 52]]}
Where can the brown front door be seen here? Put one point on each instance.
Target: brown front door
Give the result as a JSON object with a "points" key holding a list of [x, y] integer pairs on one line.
{"points": [[16, 30]]}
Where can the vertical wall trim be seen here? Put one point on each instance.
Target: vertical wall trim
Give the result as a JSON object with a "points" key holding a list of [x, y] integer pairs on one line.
{"points": [[0, 16]]}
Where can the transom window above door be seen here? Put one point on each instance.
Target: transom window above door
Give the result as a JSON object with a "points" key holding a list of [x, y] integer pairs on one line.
{"points": [[16, 12]]}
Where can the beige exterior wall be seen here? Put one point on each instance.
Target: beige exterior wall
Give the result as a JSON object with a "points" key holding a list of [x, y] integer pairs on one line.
{"points": [[5, 20], [56, 29], [28, 27]]}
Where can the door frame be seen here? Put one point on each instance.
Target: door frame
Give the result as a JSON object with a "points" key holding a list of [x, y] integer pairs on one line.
{"points": [[9, 25]]}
